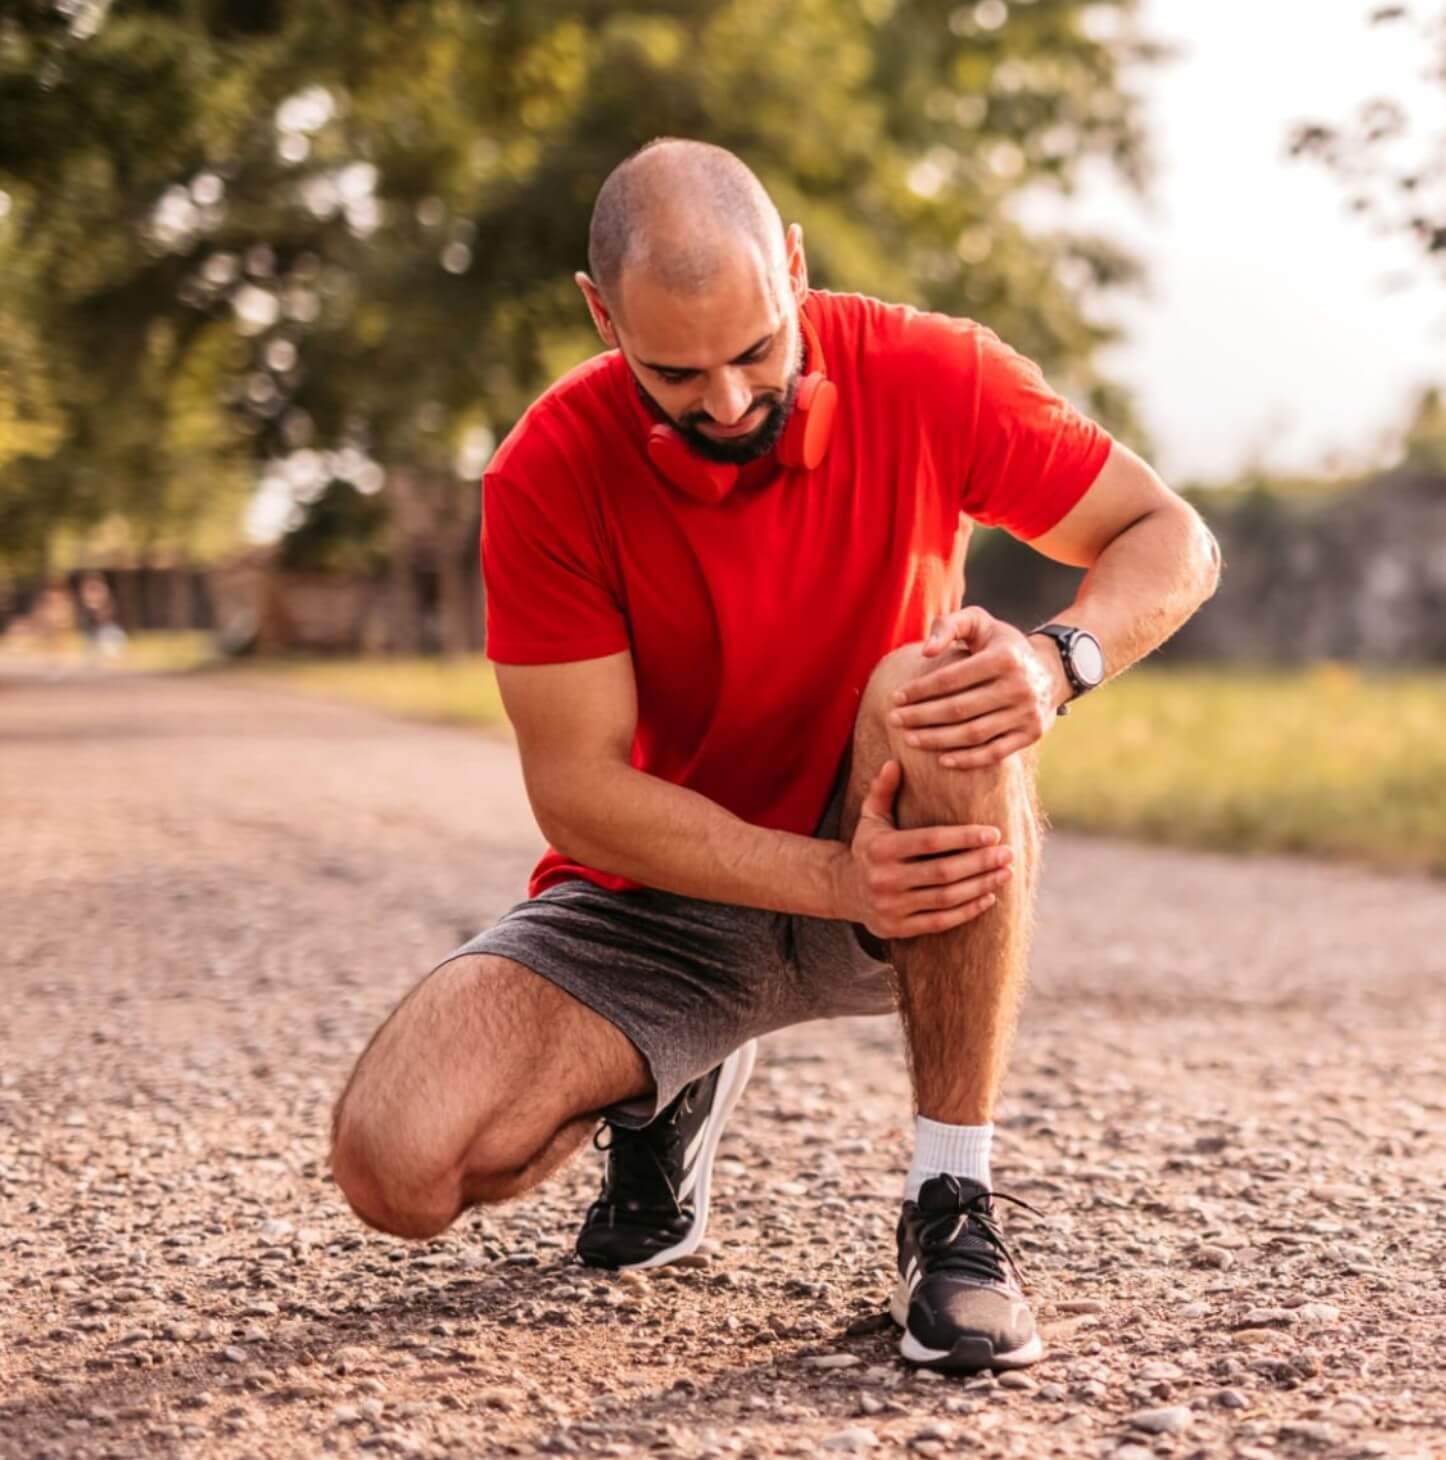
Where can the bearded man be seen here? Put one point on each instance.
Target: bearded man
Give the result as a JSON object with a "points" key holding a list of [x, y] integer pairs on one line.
{"points": [[785, 775]]}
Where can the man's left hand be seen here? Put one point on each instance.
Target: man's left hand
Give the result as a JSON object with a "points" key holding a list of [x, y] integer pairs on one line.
{"points": [[998, 696]]}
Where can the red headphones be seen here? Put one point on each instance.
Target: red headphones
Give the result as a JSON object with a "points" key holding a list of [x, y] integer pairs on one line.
{"points": [[803, 444]]}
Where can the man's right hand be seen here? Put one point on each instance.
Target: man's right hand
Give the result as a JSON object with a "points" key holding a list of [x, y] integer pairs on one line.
{"points": [[929, 879]]}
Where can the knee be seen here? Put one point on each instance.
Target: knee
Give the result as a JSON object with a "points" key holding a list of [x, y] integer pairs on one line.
{"points": [[896, 668], [978, 792], [391, 1184], [400, 1178]]}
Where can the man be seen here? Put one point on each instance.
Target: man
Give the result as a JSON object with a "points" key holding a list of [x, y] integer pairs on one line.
{"points": [[784, 774]]}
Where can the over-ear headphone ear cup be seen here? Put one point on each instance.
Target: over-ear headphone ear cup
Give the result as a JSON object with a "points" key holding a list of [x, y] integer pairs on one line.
{"points": [[708, 481], [810, 427]]}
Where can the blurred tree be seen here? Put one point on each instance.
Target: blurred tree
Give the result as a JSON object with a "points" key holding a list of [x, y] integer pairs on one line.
{"points": [[341, 534], [357, 225], [1426, 437], [1393, 166]]}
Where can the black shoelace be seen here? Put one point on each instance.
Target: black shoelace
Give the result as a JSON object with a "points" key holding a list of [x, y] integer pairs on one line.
{"points": [[625, 1143], [968, 1240]]}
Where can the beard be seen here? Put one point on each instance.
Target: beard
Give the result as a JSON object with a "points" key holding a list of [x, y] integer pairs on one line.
{"points": [[742, 449]]}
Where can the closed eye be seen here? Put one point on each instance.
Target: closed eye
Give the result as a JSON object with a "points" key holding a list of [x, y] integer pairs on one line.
{"points": [[751, 356]]}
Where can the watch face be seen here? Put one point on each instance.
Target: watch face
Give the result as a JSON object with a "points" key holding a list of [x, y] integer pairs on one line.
{"points": [[1088, 659]]}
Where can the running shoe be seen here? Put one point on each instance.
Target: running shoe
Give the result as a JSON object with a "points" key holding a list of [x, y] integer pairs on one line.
{"points": [[653, 1208], [960, 1295]]}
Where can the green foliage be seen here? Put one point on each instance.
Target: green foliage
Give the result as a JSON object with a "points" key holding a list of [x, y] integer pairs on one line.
{"points": [[458, 691], [1388, 161], [1426, 435], [342, 533], [1325, 760], [292, 225]]}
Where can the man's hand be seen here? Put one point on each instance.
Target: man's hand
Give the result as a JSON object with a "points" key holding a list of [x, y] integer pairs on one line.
{"points": [[899, 884], [1001, 695]]}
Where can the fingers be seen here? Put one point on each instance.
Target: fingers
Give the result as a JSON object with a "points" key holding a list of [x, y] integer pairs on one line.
{"points": [[903, 891], [991, 754], [950, 709], [948, 871], [930, 841], [975, 883], [883, 789], [926, 879], [940, 920], [971, 733], [964, 626], [956, 674], [928, 874], [943, 922]]}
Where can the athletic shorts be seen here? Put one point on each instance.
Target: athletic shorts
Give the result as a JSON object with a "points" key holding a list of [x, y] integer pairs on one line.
{"points": [[686, 980]]}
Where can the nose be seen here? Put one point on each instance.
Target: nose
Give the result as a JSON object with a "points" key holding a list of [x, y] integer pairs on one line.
{"points": [[728, 397]]}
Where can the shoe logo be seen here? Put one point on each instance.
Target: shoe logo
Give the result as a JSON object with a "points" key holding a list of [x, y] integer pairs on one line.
{"points": [[911, 1274]]}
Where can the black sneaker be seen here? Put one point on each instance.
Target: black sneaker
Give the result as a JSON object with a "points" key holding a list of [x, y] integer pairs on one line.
{"points": [[653, 1208], [960, 1299]]}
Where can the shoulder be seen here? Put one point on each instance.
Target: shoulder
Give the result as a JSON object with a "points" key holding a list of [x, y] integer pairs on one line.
{"points": [[886, 343], [567, 430]]}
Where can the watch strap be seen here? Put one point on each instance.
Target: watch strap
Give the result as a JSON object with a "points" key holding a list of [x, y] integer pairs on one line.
{"points": [[1064, 636]]}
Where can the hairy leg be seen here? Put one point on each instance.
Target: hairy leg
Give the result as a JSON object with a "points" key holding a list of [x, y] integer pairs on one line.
{"points": [[960, 990], [483, 1080]]}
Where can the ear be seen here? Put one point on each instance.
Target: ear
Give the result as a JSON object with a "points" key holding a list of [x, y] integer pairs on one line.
{"points": [[796, 262], [599, 311]]}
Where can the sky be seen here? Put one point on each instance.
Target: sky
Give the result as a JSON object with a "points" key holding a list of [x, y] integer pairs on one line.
{"points": [[1267, 336]]}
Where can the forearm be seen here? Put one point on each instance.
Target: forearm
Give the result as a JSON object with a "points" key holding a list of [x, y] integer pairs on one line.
{"points": [[1146, 583], [610, 816]]}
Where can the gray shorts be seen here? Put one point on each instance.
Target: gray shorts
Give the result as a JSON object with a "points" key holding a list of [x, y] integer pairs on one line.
{"points": [[688, 981]]}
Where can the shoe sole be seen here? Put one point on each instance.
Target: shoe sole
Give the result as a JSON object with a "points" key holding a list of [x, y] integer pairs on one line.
{"points": [[968, 1354], [732, 1077]]}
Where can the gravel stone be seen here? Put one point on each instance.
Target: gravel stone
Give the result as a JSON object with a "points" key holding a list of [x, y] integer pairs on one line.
{"points": [[1173, 1420], [1268, 1318], [852, 1441], [267, 875], [1311, 1431]]}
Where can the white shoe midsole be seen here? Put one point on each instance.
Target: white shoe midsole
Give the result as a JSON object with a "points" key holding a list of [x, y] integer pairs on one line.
{"points": [[919, 1353], [732, 1077]]}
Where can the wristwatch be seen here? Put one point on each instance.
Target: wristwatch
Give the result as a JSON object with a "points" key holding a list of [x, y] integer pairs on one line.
{"points": [[1084, 660]]}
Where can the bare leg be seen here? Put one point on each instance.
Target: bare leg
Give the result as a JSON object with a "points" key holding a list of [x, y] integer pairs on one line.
{"points": [[960, 990], [482, 1081]]}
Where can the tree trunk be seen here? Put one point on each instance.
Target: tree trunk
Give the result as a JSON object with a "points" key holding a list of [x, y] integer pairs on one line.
{"points": [[404, 609], [451, 526]]}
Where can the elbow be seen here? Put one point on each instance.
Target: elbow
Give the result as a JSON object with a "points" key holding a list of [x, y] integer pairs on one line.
{"points": [[573, 803], [1199, 553], [556, 827], [1211, 561], [567, 831]]}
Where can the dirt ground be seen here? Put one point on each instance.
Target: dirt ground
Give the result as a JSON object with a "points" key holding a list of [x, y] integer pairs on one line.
{"points": [[1227, 1103]]}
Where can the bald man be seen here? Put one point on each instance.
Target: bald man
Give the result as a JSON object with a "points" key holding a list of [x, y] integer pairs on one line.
{"points": [[785, 773]]}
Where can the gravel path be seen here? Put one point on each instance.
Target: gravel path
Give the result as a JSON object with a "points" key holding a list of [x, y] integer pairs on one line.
{"points": [[1227, 1102]]}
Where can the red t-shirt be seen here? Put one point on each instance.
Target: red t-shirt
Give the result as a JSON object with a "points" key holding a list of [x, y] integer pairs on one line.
{"points": [[754, 623]]}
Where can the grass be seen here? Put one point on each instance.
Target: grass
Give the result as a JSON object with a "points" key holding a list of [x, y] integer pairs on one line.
{"points": [[1328, 761], [152, 652], [453, 691]]}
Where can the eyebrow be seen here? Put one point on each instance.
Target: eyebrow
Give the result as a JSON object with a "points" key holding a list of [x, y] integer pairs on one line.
{"points": [[755, 348]]}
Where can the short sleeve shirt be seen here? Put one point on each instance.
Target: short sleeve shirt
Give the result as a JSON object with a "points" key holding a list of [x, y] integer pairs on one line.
{"points": [[754, 623]]}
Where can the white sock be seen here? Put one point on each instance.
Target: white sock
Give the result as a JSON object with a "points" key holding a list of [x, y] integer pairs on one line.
{"points": [[959, 1150]]}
